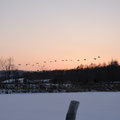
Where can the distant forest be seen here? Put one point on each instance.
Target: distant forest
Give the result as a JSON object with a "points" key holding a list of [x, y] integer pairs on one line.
{"points": [[92, 78]]}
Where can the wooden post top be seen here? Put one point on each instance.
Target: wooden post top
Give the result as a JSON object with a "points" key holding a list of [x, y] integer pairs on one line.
{"points": [[72, 111]]}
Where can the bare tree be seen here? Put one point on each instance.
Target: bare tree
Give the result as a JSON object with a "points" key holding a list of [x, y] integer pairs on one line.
{"points": [[7, 66]]}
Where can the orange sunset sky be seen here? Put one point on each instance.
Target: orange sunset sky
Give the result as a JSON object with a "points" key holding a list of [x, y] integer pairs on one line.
{"points": [[34, 31]]}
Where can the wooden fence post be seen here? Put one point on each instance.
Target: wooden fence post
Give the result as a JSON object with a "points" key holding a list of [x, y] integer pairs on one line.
{"points": [[71, 114]]}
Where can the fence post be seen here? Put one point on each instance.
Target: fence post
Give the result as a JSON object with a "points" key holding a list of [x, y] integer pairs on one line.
{"points": [[71, 114]]}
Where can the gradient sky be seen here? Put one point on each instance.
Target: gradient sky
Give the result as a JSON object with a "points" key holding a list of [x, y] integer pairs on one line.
{"points": [[36, 30]]}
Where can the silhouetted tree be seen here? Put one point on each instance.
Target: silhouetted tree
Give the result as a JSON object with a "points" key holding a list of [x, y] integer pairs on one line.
{"points": [[7, 65]]}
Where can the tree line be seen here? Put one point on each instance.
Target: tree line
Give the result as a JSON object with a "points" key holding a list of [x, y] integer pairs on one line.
{"points": [[94, 77], [89, 77]]}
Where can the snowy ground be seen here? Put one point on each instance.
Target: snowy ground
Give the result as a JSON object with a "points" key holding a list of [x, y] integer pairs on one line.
{"points": [[54, 106]]}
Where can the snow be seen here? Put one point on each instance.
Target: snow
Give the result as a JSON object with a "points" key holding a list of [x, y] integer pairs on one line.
{"points": [[46, 80], [9, 81], [13, 80], [54, 106]]}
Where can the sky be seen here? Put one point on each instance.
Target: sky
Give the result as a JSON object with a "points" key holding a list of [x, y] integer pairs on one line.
{"points": [[46, 30]]}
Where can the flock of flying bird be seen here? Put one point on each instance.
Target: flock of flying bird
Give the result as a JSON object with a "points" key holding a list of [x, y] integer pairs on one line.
{"points": [[57, 61]]}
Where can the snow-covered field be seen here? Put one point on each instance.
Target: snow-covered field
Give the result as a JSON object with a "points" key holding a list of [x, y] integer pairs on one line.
{"points": [[54, 106]]}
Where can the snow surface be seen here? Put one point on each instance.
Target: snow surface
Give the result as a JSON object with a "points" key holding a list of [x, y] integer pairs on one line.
{"points": [[13, 80], [54, 106]]}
